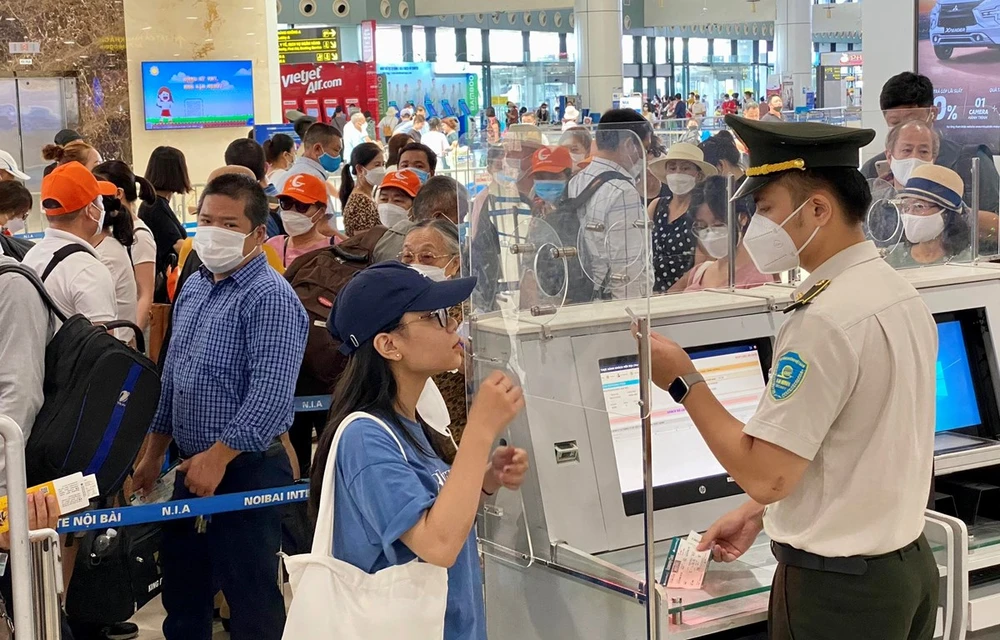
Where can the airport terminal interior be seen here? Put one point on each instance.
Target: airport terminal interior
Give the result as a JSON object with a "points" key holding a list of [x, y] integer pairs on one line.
{"points": [[506, 320]]}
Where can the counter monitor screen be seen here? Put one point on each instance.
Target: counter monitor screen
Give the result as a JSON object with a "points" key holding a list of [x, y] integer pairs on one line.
{"points": [[684, 469], [957, 407]]}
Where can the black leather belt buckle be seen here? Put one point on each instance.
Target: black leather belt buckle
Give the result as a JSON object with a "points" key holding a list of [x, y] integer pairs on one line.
{"points": [[852, 566]]}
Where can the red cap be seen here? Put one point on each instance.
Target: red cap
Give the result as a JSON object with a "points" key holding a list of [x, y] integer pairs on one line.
{"points": [[306, 188], [73, 187], [551, 160], [404, 180]]}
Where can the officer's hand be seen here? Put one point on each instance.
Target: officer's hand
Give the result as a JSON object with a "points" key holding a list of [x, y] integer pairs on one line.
{"points": [[669, 360], [203, 473], [732, 534]]}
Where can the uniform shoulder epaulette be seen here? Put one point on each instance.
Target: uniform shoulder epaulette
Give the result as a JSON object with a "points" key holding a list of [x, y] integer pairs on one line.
{"points": [[805, 298]]}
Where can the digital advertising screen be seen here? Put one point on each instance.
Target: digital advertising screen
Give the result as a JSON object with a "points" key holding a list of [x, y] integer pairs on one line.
{"points": [[197, 94], [958, 48]]}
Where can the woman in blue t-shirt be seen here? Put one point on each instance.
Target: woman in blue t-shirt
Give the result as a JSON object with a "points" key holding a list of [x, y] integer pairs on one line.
{"points": [[393, 324]]}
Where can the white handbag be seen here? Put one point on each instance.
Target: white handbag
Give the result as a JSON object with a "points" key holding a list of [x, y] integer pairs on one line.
{"points": [[334, 599]]}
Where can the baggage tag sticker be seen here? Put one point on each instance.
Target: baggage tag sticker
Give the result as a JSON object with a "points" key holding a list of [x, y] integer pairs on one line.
{"points": [[690, 565], [71, 492]]}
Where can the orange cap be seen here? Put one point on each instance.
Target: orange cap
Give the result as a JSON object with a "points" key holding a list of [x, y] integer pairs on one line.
{"points": [[73, 187], [306, 188], [551, 160], [404, 180]]}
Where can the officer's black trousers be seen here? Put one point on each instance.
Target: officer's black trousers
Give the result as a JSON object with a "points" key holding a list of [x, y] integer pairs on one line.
{"points": [[897, 599]]}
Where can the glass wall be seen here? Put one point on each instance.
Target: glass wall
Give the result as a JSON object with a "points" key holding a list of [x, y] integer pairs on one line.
{"points": [[711, 67]]}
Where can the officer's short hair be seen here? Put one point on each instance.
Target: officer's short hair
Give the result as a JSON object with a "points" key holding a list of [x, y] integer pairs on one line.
{"points": [[847, 185]]}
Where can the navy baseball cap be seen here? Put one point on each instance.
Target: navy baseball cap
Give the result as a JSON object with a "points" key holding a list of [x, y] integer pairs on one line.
{"points": [[378, 296]]}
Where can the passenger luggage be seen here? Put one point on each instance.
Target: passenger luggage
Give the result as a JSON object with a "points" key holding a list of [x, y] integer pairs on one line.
{"points": [[117, 572], [317, 278], [334, 599], [566, 221], [100, 397]]}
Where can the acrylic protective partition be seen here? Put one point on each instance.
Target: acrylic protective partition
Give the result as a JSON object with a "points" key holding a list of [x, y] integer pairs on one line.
{"points": [[947, 212], [557, 277]]}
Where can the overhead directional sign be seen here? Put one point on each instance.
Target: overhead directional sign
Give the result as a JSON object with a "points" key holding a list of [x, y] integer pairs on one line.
{"points": [[308, 45]]}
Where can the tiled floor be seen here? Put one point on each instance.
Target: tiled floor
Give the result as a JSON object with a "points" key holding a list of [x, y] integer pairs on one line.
{"points": [[150, 620]]}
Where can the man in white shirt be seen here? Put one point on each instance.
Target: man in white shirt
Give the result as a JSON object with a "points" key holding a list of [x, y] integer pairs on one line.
{"points": [[355, 133], [614, 253], [64, 259]]}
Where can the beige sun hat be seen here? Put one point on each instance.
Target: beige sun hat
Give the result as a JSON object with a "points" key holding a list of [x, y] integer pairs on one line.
{"points": [[681, 151]]}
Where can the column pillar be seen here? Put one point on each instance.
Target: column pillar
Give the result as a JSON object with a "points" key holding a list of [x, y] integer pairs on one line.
{"points": [[793, 47], [598, 52]]}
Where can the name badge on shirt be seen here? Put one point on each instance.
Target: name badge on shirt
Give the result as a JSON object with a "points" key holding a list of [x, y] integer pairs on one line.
{"points": [[789, 372]]}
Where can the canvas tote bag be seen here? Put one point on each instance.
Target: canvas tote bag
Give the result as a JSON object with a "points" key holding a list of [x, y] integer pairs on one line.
{"points": [[335, 599]]}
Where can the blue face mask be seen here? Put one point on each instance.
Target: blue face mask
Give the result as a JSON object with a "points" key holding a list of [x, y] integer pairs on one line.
{"points": [[503, 178], [330, 163], [550, 190], [423, 175]]}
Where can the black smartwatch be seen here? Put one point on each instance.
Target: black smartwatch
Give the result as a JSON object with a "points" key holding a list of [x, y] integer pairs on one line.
{"points": [[681, 387]]}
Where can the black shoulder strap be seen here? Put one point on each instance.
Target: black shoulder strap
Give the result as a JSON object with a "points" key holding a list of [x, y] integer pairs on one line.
{"points": [[61, 255], [599, 181], [37, 283]]}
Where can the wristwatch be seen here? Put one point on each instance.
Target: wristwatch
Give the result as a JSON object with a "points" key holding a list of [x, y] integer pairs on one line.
{"points": [[681, 387]]}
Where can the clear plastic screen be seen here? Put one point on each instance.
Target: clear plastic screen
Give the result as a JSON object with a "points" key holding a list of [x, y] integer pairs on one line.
{"points": [[913, 218], [559, 244]]}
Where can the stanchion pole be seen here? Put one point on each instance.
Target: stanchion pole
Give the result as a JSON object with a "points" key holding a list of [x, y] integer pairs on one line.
{"points": [[732, 224], [974, 218], [645, 402], [17, 506]]}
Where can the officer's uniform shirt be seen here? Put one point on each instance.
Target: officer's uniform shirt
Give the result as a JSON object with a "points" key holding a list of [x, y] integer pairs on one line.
{"points": [[853, 391]]}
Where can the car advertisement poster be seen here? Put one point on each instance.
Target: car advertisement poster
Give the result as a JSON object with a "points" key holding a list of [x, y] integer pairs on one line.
{"points": [[958, 48]]}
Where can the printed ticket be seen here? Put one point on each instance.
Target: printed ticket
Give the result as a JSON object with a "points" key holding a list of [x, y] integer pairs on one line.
{"points": [[689, 564], [72, 493]]}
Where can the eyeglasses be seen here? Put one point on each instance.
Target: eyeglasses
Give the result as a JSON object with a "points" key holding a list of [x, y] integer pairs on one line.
{"points": [[291, 204], [919, 208], [424, 258], [698, 227], [441, 315]]}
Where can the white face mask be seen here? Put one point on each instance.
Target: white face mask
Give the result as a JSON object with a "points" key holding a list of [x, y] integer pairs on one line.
{"points": [[375, 176], [715, 241], [769, 245], [221, 250], [15, 225], [434, 273], [681, 184], [99, 203], [922, 228], [578, 157], [433, 410], [389, 214], [296, 223], [903, 169]]}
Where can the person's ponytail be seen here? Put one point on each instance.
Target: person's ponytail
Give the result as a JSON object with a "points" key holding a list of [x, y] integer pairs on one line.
{"points": [[346, 183], [146, 191]]}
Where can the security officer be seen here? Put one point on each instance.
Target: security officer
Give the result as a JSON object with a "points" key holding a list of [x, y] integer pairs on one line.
{"points": [[840, 448]]}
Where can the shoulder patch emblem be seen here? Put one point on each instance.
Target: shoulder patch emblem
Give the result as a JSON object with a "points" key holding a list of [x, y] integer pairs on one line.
{"points": [[789, 372]]}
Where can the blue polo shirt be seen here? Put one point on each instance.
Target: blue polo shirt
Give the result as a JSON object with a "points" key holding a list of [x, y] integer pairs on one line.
{"points": [[379, 496]]}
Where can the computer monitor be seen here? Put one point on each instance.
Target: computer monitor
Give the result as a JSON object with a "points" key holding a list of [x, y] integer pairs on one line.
{"points": [[966, 400], [684, 469]]}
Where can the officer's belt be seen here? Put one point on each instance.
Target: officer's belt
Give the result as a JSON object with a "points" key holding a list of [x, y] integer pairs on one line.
{"points": [[851, 565]]}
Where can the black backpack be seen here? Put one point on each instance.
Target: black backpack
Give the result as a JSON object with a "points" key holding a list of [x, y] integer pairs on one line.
{"points": [[566, 221], [100, 397], [15, 248]]}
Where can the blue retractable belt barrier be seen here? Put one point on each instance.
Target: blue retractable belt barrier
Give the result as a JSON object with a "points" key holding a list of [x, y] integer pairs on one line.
{"points": [[178, 509]]}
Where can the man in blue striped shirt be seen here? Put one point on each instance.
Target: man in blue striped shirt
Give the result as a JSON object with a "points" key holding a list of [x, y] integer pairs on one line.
{"points": [[239, 333]]}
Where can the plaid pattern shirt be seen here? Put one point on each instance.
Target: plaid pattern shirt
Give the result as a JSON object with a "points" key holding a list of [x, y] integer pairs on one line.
{"points": [[616, 240], [233, 360]]}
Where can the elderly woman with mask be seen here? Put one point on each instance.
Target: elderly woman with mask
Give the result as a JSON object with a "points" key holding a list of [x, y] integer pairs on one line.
{"points": [[935, 226], [431, 248]]}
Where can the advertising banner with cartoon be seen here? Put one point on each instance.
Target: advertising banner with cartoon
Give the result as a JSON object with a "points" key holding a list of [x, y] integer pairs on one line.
{"points": [[441, 94]]}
